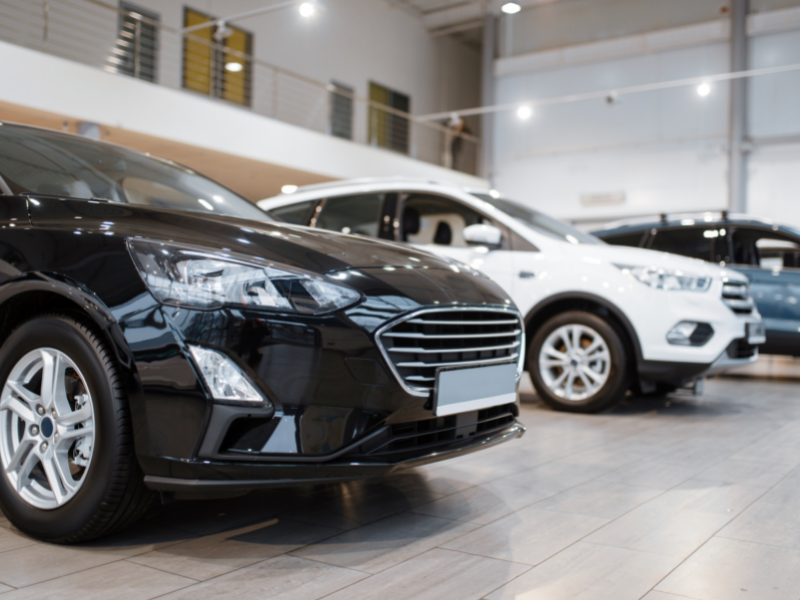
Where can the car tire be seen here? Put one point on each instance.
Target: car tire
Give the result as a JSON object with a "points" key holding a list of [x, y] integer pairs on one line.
{"points": [[578, 363], [68, 486]]}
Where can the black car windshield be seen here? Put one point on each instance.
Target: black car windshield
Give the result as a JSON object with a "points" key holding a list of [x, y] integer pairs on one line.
{"points": [[539, 222], [38, 161]]}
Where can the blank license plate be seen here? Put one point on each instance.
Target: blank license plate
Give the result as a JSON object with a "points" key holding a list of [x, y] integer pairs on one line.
{"points": [[463, 390], [756, 333]]}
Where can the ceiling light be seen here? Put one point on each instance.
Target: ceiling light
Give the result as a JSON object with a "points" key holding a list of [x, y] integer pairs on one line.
{"points": [[234, 67], [524, 112], [703, 90], [511, 8], [289, 189], [307, 9], [494, 193]]}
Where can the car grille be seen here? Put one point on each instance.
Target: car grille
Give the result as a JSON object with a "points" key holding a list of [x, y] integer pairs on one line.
{"points": [[423, 437], [422, 342], [741, 349], [737, 296]]}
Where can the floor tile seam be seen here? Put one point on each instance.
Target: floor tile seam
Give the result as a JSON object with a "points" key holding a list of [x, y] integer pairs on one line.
{"points": [[460, 551], [734, 539], [633, 549], [540, 562], [32, 543], [481, 524], [334, 565], [66, 574], [133, 562], [713, 535], [670, 593]]}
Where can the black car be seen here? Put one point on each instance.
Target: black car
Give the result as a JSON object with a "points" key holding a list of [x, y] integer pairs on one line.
{"points": [[768, 254], [160, 333]]}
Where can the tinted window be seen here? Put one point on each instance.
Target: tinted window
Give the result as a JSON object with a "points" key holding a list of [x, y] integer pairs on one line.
{"points": [[625, 239], [297, 214], [351, 214], [540, 222], [47, 162], [433, 220], [688, 241], [766, 249]]}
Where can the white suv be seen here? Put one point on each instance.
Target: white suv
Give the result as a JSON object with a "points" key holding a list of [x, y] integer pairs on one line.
{"points": [[599, 319]]}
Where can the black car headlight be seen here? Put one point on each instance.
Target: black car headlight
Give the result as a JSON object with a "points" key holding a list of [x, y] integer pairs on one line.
{"points": [[196, 277]]}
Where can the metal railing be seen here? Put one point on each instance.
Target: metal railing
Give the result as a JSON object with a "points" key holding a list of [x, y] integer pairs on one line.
{"points": [[137, 45]]}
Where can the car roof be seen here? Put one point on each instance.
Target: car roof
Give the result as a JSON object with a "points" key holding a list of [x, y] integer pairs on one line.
{"points": [[637, 224], [364, 185]]}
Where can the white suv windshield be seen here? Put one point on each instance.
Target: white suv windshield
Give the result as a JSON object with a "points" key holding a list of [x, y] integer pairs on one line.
{"points": [[539, 222]]}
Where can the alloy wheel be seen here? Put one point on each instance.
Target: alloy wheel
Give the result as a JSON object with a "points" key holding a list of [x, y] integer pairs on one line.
{"points": [[574, 362], [46, 428]]}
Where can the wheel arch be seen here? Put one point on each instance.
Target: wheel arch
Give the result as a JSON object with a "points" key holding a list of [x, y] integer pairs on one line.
{"points": [[560, 303], [33, 294]]}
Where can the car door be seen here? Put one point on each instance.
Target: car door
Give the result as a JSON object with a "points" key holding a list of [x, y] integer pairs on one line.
{"points": [[771, 261], [436, 223]]}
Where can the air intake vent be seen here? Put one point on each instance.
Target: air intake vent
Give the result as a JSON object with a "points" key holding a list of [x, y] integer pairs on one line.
{"points": [[421, 342], [737, 296], [422, 437]]}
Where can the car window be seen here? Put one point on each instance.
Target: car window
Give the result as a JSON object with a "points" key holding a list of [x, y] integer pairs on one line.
{"points": [[625, 239], [351, 214], [296, 214], [435, 220], [539, 222], [38, 161], [694, 242], [766, 249]]}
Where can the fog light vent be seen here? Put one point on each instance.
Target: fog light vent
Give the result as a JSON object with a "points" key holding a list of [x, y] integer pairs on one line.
{"points": [[690, 333]]}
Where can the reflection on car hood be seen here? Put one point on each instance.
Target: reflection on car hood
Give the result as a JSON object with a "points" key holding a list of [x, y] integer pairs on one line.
{"points": [[315, 250], [640, 257]]}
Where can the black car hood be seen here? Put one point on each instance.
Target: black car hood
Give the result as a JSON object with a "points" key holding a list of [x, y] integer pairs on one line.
{"points": [[315, 250]]}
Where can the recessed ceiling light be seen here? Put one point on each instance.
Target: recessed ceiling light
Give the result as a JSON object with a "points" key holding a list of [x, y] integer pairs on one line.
{"points": [[703, 90], [307, 9], [524, 112], [511, 8], [289, 188], [234, 67]]}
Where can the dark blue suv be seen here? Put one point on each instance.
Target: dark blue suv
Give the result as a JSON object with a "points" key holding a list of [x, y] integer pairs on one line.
{"points": [[768, 254]]}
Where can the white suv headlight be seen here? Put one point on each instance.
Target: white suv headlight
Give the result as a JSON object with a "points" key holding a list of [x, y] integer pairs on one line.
{"points": [[667, 279], [202, 278]]}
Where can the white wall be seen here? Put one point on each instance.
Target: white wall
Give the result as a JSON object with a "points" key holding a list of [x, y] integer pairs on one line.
{"points": [[666, 151], [350, 41], [84, 93]]}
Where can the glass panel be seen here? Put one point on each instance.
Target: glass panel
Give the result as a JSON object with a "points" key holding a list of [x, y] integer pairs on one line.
{"points": [[47, 162], [539, 222], [236, 71], [136, 51], [197, 54], [387, 130], [688, 241], [351, 214], [296, 214], [431, 220], [768, 250], [342, 112], [625, 239]]}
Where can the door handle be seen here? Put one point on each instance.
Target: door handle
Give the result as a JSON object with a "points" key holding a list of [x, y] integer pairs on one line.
{"points": [[527, 274]]}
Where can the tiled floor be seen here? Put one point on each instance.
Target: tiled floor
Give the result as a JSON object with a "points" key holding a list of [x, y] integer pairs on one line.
{"points": [[674, 498]]}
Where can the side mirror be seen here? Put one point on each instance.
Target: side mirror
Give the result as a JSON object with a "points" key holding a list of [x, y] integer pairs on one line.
{"points": [[482, 234]]}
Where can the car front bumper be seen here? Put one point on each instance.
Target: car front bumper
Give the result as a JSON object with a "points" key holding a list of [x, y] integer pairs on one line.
{"points": [[334, 409], [208, 478]]}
